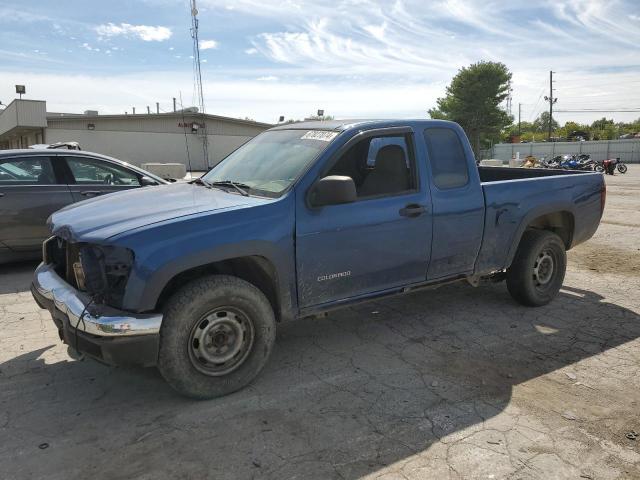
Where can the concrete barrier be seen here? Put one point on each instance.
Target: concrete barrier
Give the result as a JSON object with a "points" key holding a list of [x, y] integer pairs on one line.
{"points": [[166, 170], [491, 163]]}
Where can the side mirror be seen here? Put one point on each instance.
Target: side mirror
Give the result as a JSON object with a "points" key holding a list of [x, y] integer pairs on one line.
{"points": [[146, 181], [333, 190]]}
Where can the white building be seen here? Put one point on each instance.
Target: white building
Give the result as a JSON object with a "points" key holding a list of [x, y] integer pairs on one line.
{"points": [[176, 137]]}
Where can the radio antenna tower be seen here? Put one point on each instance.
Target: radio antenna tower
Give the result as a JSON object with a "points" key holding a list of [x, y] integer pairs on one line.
{"points": [[197, 72]]}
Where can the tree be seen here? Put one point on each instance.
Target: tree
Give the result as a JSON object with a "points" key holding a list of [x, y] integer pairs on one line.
{"points": [[541, 124], [602, 124], [473, 100]]}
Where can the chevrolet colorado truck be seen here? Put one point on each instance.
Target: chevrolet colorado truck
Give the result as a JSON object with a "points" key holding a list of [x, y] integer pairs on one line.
{"points": [[193, 278]]}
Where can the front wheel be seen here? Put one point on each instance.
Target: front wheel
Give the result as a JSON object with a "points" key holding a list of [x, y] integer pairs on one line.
{"points": [[599, 168], [216, 336], [537, 271], [622, 168]]}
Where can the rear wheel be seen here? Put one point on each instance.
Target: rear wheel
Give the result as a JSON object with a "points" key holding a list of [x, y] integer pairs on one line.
{"points": [[599, 168], [216, 336], [622, 168], [537, 271]]}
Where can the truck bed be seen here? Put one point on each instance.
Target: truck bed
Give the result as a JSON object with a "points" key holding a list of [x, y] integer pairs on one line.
{"points": [[494, 174], [516, 197]]}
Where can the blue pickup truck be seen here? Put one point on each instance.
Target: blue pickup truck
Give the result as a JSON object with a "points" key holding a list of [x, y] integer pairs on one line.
{"points": [[193, 278]]}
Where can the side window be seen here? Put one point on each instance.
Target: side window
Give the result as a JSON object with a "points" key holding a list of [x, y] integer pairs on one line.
{"points": [[379, 166], [27, 171], [446, 155], [89, 171]]}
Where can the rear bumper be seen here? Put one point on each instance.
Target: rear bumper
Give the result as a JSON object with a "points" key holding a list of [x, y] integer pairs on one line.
{"points": [[104, 333]]}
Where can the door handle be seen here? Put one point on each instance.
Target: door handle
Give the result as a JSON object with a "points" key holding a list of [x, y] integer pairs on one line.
{"points": [[412, 210], [88, 193]]}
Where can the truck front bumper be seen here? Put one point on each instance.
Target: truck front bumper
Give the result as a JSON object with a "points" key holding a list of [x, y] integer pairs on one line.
{"points": [[104, 333]]}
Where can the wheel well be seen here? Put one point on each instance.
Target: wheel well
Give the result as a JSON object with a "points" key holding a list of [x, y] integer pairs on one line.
{"points": [[560, 223], [256, 270]]}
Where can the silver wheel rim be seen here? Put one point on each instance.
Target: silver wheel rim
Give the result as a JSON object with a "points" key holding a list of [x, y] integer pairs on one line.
{"points": [[543, 268], [221, 341]]}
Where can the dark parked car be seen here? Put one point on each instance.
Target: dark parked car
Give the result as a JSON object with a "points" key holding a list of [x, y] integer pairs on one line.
{"points": [[36, 183]]}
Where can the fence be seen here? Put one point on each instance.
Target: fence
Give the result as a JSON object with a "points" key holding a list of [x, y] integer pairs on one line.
{"points": [[627, 150]]}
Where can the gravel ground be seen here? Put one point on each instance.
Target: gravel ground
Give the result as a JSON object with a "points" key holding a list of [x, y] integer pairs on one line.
{"points": [[454, 383]]}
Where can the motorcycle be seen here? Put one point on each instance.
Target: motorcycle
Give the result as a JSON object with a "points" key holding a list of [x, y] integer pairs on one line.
{"points": [[585, 162], [610, 165]]}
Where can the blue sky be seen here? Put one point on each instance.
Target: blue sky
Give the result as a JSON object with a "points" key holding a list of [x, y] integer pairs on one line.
{"points": [[353, 58]]}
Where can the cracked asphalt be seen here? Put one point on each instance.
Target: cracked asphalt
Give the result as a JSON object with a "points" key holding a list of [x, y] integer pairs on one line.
{"points": [[453, 383]]}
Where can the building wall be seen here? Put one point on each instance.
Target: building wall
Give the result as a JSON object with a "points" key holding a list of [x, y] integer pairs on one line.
{"points": [[163, 138], [146, 147]]}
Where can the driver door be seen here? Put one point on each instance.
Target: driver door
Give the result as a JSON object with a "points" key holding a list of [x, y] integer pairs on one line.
{"points": [[91, 177]]}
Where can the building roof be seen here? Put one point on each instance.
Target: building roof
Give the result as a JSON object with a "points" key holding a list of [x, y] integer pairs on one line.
{"points": [[142, 116]]}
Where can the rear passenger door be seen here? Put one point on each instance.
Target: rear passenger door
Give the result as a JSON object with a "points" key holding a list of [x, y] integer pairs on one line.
{"points": [[31, 189], [458, 203], [90, 177]]}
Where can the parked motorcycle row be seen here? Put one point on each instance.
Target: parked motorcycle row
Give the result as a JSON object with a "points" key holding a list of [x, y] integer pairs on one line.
{"points": [[577, 162]]}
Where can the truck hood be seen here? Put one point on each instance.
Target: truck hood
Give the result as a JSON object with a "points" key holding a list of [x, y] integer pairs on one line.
{"points": [[103, 217]]}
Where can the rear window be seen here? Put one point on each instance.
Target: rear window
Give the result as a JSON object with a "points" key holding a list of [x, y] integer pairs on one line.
{"points": [[446, 155], [27, 171]]}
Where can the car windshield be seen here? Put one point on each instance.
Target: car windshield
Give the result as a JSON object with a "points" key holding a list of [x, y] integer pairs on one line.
{"points": [[269, 163]]}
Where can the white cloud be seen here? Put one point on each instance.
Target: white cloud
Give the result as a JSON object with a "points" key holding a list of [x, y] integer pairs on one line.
{"points": [[267, 78], [144, 32], [251, 51], [376, 31], [208, 44]]}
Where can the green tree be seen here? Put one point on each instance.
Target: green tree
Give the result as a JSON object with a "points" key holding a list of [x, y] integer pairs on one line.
{"points": [[602, 124], [541, 124], [473, 100]]}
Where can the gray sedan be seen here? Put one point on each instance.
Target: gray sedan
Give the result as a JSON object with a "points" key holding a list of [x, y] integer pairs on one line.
{"points": [[36, 183]]}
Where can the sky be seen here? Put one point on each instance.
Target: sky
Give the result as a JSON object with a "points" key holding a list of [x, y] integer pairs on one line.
{"points": [[352, 58]]}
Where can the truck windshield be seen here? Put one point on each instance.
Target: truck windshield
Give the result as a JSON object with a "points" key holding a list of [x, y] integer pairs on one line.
{"points": [[269, 163]]}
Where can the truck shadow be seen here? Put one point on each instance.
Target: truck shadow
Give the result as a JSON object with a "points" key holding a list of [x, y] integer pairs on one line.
{"points": [[342, 396]]}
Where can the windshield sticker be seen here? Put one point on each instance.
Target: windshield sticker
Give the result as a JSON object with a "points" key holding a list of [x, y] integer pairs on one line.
{"points": [[321, 135]]}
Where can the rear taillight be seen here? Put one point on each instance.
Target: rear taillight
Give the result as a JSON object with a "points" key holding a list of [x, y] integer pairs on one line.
{"points": [[603, 196]]}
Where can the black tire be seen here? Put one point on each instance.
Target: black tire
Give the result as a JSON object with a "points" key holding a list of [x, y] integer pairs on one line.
{"points": [[537, 271], [599, 168], [227, 314], [622, 168]]}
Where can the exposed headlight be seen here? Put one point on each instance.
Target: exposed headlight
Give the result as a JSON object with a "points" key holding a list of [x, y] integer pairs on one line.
{"points": [[104, 271], [78, 271]]}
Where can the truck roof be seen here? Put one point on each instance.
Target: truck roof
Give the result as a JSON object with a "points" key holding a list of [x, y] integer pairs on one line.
{"points": [[341, 125]]}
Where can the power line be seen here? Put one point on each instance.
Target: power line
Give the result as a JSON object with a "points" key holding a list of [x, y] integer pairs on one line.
{"points": [[532, 115], [594, 110]]}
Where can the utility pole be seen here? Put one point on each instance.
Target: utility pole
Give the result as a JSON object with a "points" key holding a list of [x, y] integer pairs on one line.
{"points": [[519, 118], [551, 101]]}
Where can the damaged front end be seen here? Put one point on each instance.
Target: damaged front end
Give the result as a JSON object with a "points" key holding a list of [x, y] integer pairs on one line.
{"points": [[83, 286]]}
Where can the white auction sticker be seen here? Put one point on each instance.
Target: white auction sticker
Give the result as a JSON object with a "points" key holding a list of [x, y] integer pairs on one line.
{"points": [[321, 135]]}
